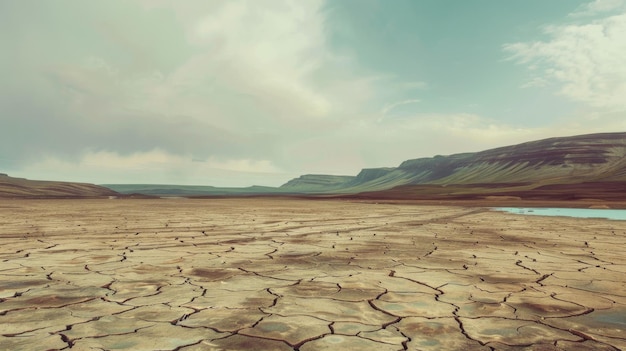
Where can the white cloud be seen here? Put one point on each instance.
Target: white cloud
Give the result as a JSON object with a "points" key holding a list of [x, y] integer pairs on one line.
{"points": [[252, 75], [587, 60], [265, 53], [156, 167], [535, 82], [391, 106], [598, 7]]}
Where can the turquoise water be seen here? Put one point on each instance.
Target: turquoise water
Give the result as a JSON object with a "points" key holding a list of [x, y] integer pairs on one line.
{"points": [[568, 212]]}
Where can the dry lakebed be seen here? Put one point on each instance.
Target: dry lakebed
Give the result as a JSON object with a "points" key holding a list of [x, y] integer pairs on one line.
{"points": [[292, 274]]}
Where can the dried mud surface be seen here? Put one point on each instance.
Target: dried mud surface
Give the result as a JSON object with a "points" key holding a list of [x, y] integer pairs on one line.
{"points": [[279, 274]]}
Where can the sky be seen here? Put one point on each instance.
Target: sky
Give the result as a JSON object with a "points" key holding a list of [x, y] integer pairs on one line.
{"points": [[239, 93]]}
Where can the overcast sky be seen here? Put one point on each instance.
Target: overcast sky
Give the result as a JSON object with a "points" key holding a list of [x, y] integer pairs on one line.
{"points": [[236, 93]]}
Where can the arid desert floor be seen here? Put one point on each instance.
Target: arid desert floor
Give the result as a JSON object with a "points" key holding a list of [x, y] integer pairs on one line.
{"points": [[289, 274]]}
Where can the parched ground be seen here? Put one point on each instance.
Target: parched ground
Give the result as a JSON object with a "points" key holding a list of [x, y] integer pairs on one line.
{"points": [[287, 274]]}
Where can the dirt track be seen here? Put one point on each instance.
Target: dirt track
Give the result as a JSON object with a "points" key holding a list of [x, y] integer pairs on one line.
{"points": [[276, 274]]}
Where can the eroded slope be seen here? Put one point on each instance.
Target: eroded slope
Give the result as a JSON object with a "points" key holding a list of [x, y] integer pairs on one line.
{"points": [[24, 188]]}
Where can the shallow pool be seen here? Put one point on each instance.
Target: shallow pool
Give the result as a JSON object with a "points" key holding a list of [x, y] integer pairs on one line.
{"points": [[567, 212]]}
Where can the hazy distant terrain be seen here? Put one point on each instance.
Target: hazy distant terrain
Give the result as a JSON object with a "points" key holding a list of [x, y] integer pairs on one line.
{"points": [[564, 168], [188, 190]]}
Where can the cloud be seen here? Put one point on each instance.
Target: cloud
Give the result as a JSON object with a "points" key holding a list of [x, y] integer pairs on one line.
{"points": [[240, 92], [598, 7], [248, 76], [157, 167], [391, 106], [535, 82], [267, 50], [246, 73], [586, 60]]}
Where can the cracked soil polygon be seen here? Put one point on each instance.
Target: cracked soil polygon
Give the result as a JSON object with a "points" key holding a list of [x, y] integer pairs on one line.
{"points": [[291, 274]]}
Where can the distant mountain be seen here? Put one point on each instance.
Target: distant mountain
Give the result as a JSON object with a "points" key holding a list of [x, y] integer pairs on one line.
{"points": [[565, 160], [317, 183], [189, 190], [23, 188], [549, 167]]}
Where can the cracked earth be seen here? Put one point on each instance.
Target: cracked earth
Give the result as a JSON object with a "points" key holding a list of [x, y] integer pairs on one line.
{"points": [[276, 274]]}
